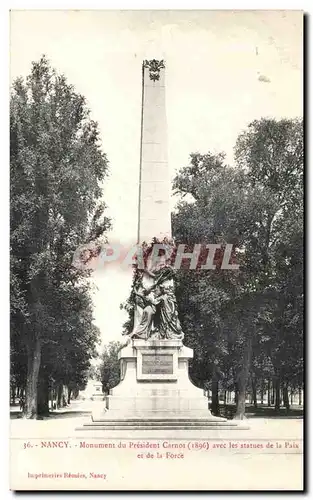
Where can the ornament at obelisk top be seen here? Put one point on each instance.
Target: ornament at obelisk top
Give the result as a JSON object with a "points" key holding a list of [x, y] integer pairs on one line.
{"points": [[154, 67]]}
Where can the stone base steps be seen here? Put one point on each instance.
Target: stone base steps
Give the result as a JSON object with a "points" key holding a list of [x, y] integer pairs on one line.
{"points": [[157, 428], [163, 424]]}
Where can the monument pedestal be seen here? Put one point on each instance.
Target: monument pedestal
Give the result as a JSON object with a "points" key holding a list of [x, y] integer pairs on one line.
{"points": [[155, 380], [155, 391]]}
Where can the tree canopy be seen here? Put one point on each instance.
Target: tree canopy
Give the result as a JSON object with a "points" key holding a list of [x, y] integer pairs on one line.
{"points": [[110, 365], [57, 169], [245, 325]]}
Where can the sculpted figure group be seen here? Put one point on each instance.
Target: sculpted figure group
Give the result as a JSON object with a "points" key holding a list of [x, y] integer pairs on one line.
{"points": [[156, 315]]}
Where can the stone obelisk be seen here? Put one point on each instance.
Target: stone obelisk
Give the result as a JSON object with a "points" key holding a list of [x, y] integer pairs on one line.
{"points": [[155, 392], [154, 214]]}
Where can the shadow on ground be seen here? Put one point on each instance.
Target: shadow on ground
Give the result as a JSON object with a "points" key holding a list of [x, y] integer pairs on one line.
{"points": [[228, 411], [54, 415]]}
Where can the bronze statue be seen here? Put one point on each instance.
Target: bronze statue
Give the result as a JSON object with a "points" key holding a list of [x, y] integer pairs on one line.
{"points": [[156, 313], [169, 327]]}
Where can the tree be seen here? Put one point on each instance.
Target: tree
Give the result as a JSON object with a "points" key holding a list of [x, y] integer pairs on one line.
{"points": [[271, 152], [57, 167], [218, 214], [66, 360], [110, 365], [230, 318]]}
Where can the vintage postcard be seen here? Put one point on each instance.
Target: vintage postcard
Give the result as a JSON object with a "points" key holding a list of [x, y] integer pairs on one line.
{"points": [[156, 236]]}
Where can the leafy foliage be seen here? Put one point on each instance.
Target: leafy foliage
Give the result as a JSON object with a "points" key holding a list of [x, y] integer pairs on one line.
{"points": [[248, 323], [110, 365], [57, 168]]}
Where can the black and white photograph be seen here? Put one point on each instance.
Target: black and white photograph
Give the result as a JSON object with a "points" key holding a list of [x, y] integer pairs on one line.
{"points": [[156, 250]]}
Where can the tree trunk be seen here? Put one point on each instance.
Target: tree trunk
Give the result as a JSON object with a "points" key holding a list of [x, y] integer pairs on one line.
{"points": [[286, 397], [54, 397], [215, 407], [300, 397], [254, 396], [69, 396], [59, 396], [291, 397], [43, 394], [269, 393], [241, 399], [273, 393], [33, 365], [236, 394], [277, 394], [243, 380], [262, 392], [65, 395], [13, 393], [51, 399]]}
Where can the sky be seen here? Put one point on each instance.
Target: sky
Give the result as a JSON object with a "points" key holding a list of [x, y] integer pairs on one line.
{"points": [[223, 70]]}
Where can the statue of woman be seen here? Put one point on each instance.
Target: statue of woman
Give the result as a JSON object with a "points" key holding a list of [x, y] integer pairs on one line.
{"points": [[147, 282], [148, 301], [169, 324], [155, 312]]}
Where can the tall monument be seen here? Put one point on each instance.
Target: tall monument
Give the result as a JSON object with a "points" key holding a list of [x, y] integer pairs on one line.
{"points": [[155, 391], [154, 215]]}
